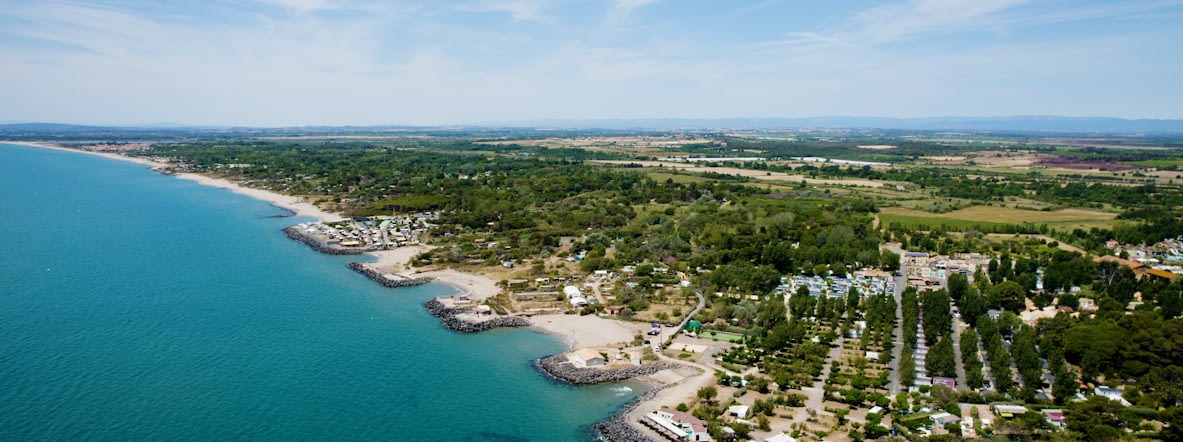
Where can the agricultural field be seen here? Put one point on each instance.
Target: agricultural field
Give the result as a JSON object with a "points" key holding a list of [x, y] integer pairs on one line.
{"points": [[1062, 219]]}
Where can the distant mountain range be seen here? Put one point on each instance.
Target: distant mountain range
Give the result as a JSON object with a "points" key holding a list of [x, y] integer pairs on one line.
{"points": [[1015, 124], [1052, 124]]}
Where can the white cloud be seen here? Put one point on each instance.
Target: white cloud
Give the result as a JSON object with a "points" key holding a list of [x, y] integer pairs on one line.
{"points": [[623, 8], [304, 6], [406, 64], [915, 17], [518, 10]]}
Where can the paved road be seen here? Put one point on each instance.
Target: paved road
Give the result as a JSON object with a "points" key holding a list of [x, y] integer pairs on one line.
{"points": [[901, 282], [957, 324], [599, 296], [702, 302]]}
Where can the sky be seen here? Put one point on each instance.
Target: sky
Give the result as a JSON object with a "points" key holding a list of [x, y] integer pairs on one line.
{"points": [[369, 62]]}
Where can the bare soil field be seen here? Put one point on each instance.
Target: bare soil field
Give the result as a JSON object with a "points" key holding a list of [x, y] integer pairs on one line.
{"points": [[1076, 142], [1009, 215], [754, 174], [635, 143], [1084, 164], [993, 159]]}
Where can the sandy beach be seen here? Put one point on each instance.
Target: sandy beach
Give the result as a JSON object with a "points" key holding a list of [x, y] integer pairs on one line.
{"points": [[588, 331], [477, 287], [577, 331], [295, 204], [399, 259]]}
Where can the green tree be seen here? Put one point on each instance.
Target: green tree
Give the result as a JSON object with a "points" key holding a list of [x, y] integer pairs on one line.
{"points": [[937, 315], [1064, 387], [973, 305], [1097, 419], [940, 360], [1095, 346], [958, 286], [771, 313], [708, 393], [1173, 417], [1009, 295], [971, 360], [889, 261], [907, 366]]}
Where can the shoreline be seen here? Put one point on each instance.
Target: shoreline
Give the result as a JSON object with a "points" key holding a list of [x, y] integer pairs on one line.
{"points": [[476, 286], [296, 205]]}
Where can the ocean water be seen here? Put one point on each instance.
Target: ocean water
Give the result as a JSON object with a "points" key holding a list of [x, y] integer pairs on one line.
{"points": [[139, 306]]}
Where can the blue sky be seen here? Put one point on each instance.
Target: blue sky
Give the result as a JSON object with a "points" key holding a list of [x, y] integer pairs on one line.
{"points": [[297, 62]]}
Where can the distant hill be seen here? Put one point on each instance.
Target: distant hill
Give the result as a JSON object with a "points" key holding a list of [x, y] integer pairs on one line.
{"points": [[1021, 124], [47, 127], [1015, 125]]}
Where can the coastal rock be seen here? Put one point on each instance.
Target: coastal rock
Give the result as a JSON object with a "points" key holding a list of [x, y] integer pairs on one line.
{"points": [[386, 280], [450, 318], [321, 246], [618, 429], [284, 212], [558, 367]]}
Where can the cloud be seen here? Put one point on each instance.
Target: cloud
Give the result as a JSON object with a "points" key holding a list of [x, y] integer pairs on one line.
{"points": [[406, 62], [623, 8], [917, 17], [304, 6], [518, 10]]}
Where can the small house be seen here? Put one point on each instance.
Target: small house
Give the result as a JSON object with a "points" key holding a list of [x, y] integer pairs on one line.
{"points": [[1055, 417], [1113, 394], [587, 357], [780, 438], [1009, 410], [738, 411], [941, 419], [676, 425]]}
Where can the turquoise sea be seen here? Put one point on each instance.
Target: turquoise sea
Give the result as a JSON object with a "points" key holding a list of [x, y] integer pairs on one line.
{"points": [[139, 306]]}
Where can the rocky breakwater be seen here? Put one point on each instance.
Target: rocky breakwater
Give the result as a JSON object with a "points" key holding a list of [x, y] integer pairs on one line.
{"points": [[618, 429], [386, 279], [321, 245], [451, 317], [559, 367]]}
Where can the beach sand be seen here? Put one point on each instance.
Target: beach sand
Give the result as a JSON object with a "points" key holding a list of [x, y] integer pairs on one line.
{"points": [[296, 204], [588, 331], [398, 259], [478, 287]]}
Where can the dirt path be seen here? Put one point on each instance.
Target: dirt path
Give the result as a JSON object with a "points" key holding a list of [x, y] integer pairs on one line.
{"points": [[816, 393]]}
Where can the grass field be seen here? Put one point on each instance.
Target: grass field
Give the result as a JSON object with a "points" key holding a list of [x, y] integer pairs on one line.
{"points": [[996, 218], [1157, 163], [721, 336]]}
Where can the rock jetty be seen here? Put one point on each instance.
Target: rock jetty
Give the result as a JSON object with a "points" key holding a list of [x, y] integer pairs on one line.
{"points": [[618, 429], [323, 246], [284, 212], [450, 318], [387, 280], [558, 367]]}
